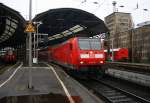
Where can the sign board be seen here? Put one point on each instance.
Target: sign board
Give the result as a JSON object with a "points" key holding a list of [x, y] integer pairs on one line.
{"points": [[30, 28], [34, 60]]}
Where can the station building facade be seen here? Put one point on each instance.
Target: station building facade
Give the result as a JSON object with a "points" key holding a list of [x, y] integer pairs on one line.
{"points": [[123, 34]]}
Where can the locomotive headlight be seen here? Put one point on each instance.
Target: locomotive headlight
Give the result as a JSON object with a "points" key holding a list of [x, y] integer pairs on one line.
{"points": [[84, 56], [81, 62], [99, 55], [101, 62], [91, 52]]}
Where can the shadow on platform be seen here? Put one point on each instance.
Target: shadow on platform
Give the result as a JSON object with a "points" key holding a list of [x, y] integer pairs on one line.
{"points": [[49, 98]]}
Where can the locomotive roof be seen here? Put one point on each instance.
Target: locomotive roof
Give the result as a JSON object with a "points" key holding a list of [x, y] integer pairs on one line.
{"points": [[11, 27], [64, 23]]}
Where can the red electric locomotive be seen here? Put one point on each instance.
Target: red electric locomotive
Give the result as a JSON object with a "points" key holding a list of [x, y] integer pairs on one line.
{"points": [[120, 54], [77, 53]]}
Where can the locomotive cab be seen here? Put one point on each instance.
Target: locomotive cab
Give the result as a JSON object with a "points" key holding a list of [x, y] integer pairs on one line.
{"points": [[91, 52]]}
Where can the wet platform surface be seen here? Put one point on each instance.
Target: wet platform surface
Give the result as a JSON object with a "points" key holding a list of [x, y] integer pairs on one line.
{"points": [[45, 85]]}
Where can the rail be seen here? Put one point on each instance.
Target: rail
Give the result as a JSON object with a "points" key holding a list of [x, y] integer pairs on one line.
{"points": [[122, 95], [112, 94], [135, 67]]}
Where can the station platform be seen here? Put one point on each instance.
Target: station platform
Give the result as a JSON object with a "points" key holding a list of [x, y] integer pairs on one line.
{"points": [[131, 64], [134, 67], [48, 82], [133, 72]]}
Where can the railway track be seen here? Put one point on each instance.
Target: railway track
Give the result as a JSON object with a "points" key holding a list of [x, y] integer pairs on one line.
{"points": [[112, 94], [3, 68], [132, 67]]}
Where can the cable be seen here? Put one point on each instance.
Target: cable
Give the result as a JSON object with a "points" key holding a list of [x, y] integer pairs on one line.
{"points": [[99, 6]]}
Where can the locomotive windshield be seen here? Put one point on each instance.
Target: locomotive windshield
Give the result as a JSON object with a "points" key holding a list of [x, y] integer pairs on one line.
{"points": [[89, 44]]}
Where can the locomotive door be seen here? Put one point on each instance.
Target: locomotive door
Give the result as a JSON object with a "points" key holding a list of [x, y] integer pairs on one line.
{"points": [[70, 53]]}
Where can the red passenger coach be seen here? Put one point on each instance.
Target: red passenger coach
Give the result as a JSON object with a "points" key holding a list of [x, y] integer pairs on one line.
{"points": [[120, 54], [8, 56], [78, 53]]}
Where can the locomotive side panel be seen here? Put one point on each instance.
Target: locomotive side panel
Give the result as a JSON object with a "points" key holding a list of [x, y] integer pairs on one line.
{"points": [[65, 54]]}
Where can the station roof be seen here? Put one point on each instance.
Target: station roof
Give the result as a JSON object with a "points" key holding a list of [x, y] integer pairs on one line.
{"points": [[64, 23], [11, 27], [59, 25]]}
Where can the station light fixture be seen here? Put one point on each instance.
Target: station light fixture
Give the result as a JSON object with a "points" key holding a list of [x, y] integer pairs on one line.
{"points": [[37, 23]]}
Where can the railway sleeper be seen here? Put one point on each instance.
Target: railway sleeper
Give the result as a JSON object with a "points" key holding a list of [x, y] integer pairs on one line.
{"points": [[112, 93], [124, 100], [118, 97]]}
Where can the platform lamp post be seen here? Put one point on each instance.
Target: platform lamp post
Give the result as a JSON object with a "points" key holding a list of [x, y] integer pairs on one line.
{"points": [[107, 37], [112, 47], [30, 47], [37, 41]]}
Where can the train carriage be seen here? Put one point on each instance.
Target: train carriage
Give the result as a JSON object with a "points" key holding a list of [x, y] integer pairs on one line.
{"points": [[78, 53], [120, 54]]}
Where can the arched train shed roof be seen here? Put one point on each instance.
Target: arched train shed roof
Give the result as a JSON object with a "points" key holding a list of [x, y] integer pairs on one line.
{"points": [[11, 27], [63, 23]]}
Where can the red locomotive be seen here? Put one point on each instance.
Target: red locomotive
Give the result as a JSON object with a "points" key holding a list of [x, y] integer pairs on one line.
{"points": [[120, 54], [77, 53]]}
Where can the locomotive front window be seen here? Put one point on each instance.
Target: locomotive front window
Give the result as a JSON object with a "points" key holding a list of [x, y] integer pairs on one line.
{"points": [[84, 44], [95, 44], [89, 44]]}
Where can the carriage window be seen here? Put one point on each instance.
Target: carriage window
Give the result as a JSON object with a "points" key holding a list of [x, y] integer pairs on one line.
{"points": [[89, 44]]}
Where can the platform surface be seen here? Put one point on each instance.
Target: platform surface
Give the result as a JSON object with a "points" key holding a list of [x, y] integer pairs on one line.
{"points": [[44, 81]]}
